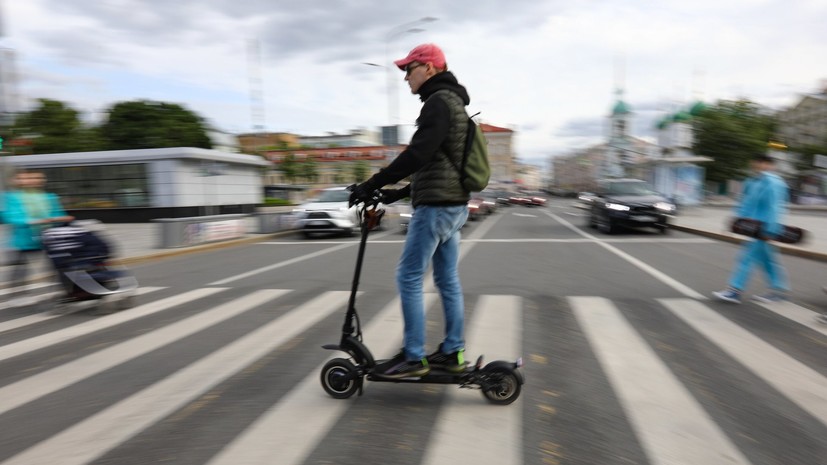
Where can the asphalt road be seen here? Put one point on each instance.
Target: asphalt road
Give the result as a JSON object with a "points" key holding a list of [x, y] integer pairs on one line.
{"points": [[627, 360]]}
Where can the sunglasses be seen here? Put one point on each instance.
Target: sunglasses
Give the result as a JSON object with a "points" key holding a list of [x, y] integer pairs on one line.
{"points": [[410, 68]]}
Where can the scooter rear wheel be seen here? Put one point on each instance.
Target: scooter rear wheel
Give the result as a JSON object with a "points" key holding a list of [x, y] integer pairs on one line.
{"points": [[338, 378], [501, 386]]}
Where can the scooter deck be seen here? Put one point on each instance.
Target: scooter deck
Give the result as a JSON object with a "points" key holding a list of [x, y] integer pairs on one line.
{"points": [[433, 377]]}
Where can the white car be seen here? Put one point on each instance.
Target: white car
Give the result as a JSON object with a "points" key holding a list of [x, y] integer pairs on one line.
{"points": [[328, 213]]}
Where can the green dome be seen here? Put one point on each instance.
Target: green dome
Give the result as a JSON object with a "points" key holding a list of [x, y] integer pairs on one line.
{"points": [[621, 108], [697, 108], [663, 122], [681, 117]]}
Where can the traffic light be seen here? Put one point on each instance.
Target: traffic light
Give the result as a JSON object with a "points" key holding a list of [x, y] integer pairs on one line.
{"points": [[1, 143]]}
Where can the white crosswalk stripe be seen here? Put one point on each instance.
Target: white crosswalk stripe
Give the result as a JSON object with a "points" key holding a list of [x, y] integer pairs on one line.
{"points": [[35, 343], [57, 378], [275, 439], [45, 316], [98, 434], [669, 421], [670, 424], [799, 383], [496, 315]]}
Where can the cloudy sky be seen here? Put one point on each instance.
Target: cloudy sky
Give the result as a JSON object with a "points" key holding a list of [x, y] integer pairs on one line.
{"points": [[545, 68]]}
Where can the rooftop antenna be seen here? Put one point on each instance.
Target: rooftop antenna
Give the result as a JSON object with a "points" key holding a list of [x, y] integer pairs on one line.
{"points": [[257, 116]]}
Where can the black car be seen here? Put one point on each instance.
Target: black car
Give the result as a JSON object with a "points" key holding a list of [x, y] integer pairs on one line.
{"points": [[629, 203]]}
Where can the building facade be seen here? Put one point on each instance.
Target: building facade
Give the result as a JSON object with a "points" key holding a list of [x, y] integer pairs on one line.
{"points": [[331, 166], [500, 153], [805, 123], [356, 138], [140, 185]]}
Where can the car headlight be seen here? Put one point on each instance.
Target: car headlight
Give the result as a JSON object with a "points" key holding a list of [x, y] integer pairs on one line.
{"points": [[618, 207], [664, 206]]}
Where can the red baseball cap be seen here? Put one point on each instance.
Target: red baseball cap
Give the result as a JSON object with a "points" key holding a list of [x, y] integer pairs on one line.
{"points": [[425, 53]]}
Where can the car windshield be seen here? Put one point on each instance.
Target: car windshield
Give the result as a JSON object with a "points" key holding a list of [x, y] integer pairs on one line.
{"points": [[630, 188], [334, 196]]}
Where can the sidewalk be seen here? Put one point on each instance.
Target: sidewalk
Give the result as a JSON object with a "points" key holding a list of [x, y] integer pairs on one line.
{"points": [[713, 221], [138, 242], [133, 243]]}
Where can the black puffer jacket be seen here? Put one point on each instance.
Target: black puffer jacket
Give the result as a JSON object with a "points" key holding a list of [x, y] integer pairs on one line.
{"points": [[440, 134]]}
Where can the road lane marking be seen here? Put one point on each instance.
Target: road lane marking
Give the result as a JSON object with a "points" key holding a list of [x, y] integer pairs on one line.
{"points": [[660, 276], [496, 328], [799, 383], [45, 316], [108, 321], [669, 422], [41, 384], [91, 438]]}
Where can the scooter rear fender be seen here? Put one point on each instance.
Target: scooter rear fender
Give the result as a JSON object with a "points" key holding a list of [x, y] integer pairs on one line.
{"points": [[512, 366]]}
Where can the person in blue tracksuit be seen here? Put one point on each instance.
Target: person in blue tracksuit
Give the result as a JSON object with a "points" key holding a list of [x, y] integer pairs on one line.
{"points": [[27, 211], [764, 198]]}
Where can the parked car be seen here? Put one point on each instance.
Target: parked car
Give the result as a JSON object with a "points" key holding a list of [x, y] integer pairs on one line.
{"points": [[536, 199], [479, 207], [404, 212], [329, 213], [528, 199], [501, 198], [491, 199], [518, 199], [629, 203]]}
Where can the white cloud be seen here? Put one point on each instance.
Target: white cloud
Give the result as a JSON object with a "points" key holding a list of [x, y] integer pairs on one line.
{"points": [[547, 69]]}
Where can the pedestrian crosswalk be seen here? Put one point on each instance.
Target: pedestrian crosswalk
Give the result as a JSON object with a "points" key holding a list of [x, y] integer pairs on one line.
{"points": [[221, 375]]}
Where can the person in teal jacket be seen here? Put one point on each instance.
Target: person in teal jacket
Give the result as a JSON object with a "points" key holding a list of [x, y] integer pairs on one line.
{"points": [[765, 199], [27, 211]]}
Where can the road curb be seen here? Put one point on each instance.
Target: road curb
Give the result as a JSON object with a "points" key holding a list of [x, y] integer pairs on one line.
{"points": [[180, 251], [786, 249], [177, 252]]}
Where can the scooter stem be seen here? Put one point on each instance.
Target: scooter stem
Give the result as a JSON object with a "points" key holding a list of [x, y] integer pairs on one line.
{"points": [[348, 328]]}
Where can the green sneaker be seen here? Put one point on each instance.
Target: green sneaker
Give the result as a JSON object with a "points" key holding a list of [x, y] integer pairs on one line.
{"points": [[399, 367], [453, 362]]}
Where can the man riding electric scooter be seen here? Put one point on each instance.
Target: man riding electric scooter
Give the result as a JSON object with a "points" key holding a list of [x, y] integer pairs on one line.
{"points": [[440, 210]]}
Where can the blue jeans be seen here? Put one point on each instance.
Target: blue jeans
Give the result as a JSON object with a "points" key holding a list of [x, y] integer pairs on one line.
{"points": [[764, 254], [433, 233]]}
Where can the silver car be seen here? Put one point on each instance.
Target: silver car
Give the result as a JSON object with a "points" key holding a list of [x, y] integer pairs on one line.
{"points": [[329, 213]]}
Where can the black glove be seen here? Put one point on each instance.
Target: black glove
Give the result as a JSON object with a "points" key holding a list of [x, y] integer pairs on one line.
{"points": [[390, 196], [361, 193]]}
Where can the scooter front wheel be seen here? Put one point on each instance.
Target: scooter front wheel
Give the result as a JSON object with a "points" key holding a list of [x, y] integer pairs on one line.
{"points": [[501, 386], [339, 378]]}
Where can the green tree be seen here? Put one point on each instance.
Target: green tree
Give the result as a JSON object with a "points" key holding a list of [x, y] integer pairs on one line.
{"points": [[54, 127], [340, 175], [289, 167], [361, 171], [308, 170], [145, 124], [731, 133], [808, 153]]}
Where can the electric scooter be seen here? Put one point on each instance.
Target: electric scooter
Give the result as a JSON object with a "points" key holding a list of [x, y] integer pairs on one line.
{"points": [[500, 381]]}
